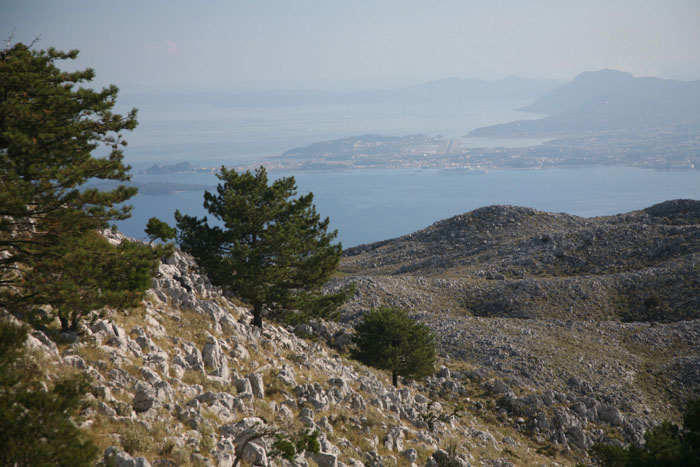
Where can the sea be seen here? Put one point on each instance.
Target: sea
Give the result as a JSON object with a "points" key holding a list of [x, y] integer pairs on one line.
{"points": [[366, 206]]}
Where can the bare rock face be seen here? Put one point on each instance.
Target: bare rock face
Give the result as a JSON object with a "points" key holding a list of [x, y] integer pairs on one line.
{"points": [[394, 439], [214, 357], [193, 356], [257, 385], [610, 415], [39, 341], [147, 396], [324, 459]]}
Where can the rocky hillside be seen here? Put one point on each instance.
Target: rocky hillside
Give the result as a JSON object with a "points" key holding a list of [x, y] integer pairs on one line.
{"points": [[537, 363], [519, 262], [603, 311], [186, 380]]}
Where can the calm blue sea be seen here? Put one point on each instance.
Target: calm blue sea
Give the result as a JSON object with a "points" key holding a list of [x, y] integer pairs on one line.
{"points": [[368, 206]]}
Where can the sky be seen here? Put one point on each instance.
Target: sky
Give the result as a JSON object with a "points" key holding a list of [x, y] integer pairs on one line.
{"points": [[266, 44]]}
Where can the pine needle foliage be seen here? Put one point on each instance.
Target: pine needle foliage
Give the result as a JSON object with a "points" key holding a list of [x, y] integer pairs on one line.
{"points": [[665, 445], [50, 128], [388, 339], [88, 273], [271, 247]]}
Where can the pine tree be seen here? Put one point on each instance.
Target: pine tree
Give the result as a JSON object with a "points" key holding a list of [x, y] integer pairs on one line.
{"points": [[50, 252], [49, 129], [388, 339], [272, 248], [156, 229], [665, 445]]}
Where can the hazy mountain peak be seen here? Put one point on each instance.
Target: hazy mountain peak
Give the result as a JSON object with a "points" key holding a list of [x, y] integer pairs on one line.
{"points": [[605, 75], [584, 87]]}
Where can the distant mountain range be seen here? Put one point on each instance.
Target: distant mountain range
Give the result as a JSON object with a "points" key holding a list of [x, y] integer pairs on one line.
{"points": [[456, 89], [608, 101], [444, 90]]}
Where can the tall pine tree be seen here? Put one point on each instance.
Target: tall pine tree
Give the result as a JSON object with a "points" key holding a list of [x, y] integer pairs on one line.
{"points": [[50, 126], [272, 249]]}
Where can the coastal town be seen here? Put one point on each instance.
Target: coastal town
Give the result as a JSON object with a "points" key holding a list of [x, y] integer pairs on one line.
{"points": [[662, 150]]}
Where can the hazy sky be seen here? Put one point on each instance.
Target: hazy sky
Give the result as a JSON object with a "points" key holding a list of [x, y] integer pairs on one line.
{"points": [[248, 44]]}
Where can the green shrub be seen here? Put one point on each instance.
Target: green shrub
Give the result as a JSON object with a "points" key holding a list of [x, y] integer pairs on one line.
{"points": [[35, 423], [666, 445], [388, 339]]}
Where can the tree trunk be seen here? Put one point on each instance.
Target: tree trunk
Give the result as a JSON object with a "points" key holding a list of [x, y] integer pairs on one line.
{"points": [[257, 314], [74, 322], [395, 379], [64, 323]]}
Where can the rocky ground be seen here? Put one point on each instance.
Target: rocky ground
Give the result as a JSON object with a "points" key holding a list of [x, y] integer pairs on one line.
{"points": [[187, 380], [539, 360], [518, 262], [600, 314]]}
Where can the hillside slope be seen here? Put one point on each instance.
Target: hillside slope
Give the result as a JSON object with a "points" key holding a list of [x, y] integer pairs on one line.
{"points": [[187, 380], [551, 265], [604, 310]]}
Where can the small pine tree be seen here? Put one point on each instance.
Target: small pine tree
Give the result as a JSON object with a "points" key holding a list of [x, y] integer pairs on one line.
{"points": [[157, 229], [665, 445], [388, 339]]}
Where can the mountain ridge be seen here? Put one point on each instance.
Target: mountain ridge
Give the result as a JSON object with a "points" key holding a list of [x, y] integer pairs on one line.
{"points": [[603, 308]]}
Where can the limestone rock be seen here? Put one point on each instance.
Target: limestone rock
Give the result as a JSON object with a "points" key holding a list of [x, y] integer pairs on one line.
{"points": [[148, 396], [394, 439], [324, 459], [118, 458], [214, 357], [610, 415], [257, 385], [38, 340]]}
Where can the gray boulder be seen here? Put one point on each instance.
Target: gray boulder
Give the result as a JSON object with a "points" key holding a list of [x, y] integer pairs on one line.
{"points": [[148, 396], [394, 439], [257, 385], [303, 330], [324, 459], [411, 455], [243, 386], [213, 356], [444, 372], [609, 414], [118, 458]]}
